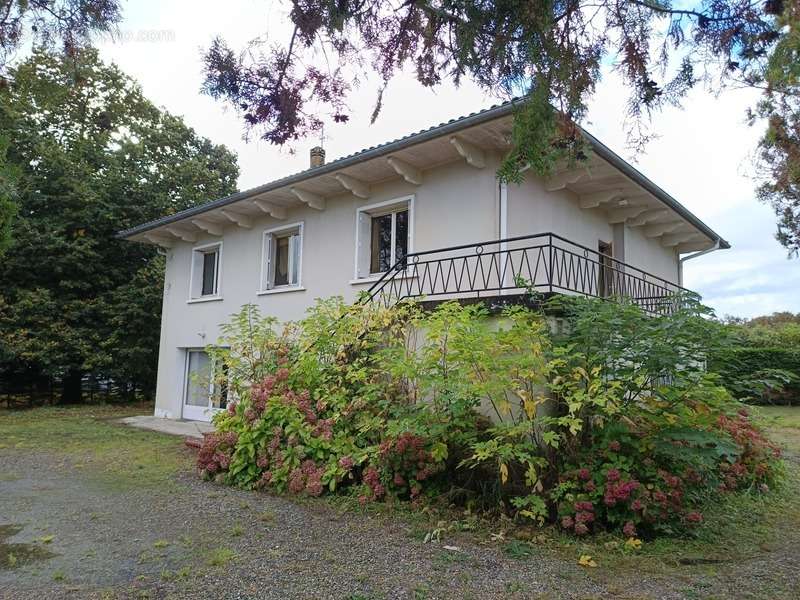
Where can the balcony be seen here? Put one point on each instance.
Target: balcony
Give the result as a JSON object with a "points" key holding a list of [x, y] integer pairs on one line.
{"points": [[515, 267]]}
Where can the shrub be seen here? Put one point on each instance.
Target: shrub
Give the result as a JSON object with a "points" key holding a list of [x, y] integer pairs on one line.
{"points": [[608, 421], [760, 375], [762, 364]]}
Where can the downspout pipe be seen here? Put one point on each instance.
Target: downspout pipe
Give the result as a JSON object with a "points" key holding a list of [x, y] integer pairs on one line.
{"points": [[717, 245]]}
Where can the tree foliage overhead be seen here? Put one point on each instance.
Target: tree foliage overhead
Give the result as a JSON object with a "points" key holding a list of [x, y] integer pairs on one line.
{"points": [[93, 157], [550, 49], [48, 23], [780, 147]]}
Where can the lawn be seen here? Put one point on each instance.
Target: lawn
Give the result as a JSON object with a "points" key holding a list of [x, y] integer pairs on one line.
{"points": [[784, 426], [92, 509]]}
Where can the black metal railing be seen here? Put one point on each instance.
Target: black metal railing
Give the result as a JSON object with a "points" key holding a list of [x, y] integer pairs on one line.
{"points": [[544, 262]]}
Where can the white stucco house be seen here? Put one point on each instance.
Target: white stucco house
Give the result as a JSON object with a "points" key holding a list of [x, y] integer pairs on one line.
{"points": [[421, 216]]}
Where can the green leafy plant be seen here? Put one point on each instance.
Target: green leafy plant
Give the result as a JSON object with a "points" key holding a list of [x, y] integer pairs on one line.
{"points": [[609, 421]]}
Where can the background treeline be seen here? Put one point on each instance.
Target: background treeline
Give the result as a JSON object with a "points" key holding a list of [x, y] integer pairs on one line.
{"points": [[83, 155], [761, 362]]}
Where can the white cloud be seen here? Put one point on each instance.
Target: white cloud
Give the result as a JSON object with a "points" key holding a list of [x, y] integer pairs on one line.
{"points": [[702, 156]]}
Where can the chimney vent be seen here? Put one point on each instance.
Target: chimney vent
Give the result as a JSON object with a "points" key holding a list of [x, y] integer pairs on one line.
{"points": [[317, 156]]}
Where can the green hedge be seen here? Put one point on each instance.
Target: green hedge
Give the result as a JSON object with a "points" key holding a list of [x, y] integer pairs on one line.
{"points": [[761, 375]]}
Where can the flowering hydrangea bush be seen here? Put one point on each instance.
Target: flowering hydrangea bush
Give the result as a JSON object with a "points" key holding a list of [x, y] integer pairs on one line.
{"points": [[659, 477], [286, 432], [405, 462], [628, 434]]}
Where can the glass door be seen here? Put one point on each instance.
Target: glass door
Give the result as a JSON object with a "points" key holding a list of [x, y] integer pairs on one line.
{"points": [[200, 400], [606, 270]]}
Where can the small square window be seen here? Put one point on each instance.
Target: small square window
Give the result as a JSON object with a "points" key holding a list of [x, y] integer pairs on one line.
{"points": [[384, 236], [206, 262], [282, 257]]}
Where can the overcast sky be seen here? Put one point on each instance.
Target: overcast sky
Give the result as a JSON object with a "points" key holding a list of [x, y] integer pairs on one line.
{"points": [[702, 155]]}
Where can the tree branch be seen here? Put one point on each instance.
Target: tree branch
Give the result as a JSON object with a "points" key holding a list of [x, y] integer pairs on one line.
{"points": [[680, 12]]}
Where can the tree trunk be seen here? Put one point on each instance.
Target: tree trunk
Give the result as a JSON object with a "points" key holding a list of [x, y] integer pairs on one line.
{"points": [[71, 392]]}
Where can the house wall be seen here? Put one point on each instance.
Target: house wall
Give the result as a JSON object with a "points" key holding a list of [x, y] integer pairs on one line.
{"points": [[533, 209], [649, 255], [456, 204]]}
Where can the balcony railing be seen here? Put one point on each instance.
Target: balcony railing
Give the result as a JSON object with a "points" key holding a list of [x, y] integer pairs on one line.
{"points": [[544, 262]]}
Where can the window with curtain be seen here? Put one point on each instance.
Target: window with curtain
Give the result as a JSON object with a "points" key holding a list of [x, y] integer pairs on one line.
{"points": [[383, 237], [282, 257]]}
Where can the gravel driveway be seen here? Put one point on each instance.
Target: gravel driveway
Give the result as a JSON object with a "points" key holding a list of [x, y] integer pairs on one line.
{"points": [[76, 528]]}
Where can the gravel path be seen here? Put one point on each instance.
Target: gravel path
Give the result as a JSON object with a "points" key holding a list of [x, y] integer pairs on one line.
{"points": [[190, 539]]}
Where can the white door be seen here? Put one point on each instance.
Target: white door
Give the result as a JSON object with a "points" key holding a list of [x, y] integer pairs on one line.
{"points": [[201, 399]]}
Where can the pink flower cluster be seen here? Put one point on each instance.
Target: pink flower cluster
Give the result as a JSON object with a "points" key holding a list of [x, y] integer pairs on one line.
{"points": [[617, 490], [755, 445], [694, 517], [266, 479], [302, 402], [373, 480], [671, 481], [584, 516], [407, 462], [307, 478], [324, 429], [271, 458], [215, 452], [261, 392], [629, 529]]}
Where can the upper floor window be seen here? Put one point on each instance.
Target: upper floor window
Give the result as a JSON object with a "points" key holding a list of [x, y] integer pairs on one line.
{"points": [[206, 263], [383, 236], [282, 257]]}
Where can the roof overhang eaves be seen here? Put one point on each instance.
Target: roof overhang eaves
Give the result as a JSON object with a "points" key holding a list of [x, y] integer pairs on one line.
{"points": [[333, 167], [438, 131], [637, 177]]}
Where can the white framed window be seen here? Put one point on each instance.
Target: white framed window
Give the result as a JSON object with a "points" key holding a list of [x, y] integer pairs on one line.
{"points": [[384, 235], [204, 283], [282, 258]]}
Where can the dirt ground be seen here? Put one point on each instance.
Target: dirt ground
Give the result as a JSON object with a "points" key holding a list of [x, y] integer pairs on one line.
{"points": [[92, 509]]}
